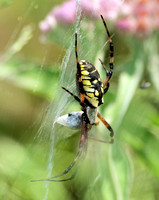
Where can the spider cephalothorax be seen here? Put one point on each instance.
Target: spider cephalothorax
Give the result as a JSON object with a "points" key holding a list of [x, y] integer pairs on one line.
{"points": [[90, 91]]}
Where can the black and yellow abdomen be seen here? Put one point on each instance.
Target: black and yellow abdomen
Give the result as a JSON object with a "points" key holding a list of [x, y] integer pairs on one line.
{"points": [[92, 85]]}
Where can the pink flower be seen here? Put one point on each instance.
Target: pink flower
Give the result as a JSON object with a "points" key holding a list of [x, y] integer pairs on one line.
{"points": [[141, 16], [109, 9], [66, 13], [127, 24], [136, 16], [47, 24]]}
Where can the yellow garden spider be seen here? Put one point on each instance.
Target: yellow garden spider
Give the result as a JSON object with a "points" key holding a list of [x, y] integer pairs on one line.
{"points": [[91, 91]]}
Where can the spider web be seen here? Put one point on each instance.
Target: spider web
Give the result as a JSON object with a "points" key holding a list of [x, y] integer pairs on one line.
{"points": [[60, 104], [62, 100], [49, 133]]}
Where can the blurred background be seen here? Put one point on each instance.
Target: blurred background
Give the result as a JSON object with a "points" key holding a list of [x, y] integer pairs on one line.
{"points": [[37, 58]]}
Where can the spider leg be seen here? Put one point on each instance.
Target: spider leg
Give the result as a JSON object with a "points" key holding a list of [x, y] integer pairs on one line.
{"points": [[111, 62], [102, 63], [107, 73], [77, 59], [106, 88], [66, 170], [98, 140], [74, 96], [82, 149], [63, 180], [78, 74], [108, 127], [56, 180]]}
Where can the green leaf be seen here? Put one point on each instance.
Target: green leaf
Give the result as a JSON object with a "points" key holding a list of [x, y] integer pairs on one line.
{"points": [[36, 79], [5, 3], [128, 83]]}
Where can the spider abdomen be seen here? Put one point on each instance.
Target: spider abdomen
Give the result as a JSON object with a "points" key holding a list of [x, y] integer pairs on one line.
{"points": [[92, 85]]}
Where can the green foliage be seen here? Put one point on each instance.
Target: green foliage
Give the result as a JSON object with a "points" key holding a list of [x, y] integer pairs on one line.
{"points": [[129, 169], [36, 79], [5, 3]]}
